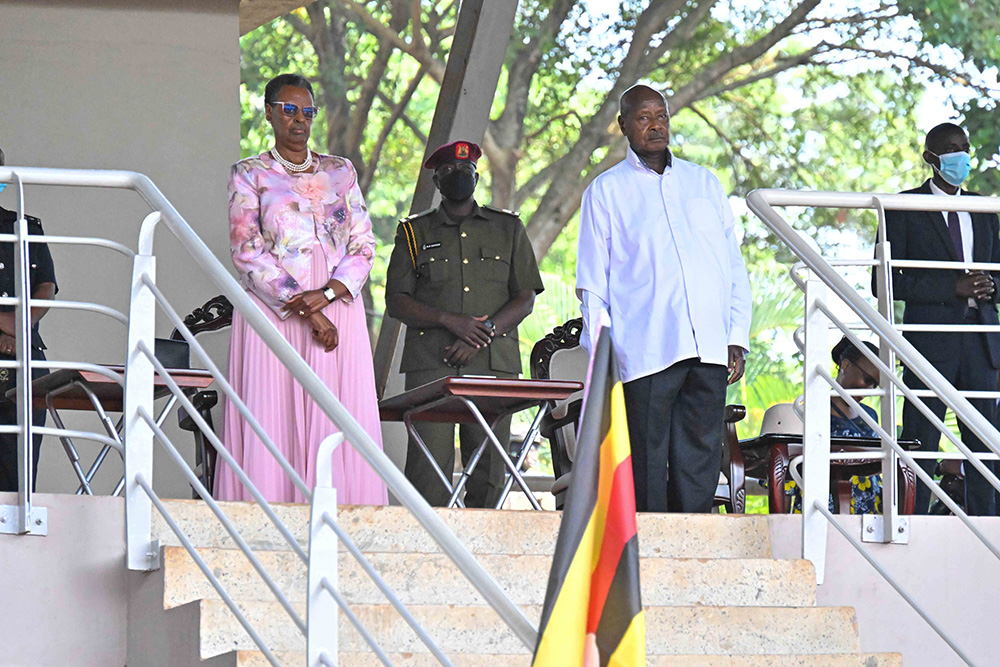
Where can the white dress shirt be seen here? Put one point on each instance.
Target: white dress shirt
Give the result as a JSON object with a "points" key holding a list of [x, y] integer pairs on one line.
{"points": [[659, 254]]}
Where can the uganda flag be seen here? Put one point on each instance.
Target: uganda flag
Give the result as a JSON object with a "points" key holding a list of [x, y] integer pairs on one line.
{"points": [[593, 610]]}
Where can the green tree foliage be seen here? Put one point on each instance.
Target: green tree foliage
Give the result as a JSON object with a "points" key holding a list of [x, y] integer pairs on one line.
{"points": [[771, 377], [966, 31], [767, 93], [784, 94]]}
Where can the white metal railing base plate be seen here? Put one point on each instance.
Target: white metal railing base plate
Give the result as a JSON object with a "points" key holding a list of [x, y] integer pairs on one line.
{"points": [[873, 529], [38, 523]]}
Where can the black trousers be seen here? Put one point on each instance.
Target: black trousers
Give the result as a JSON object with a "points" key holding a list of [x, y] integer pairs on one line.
{"points": [[484, 486], [8, 441], [675, 427], [970, 371]]}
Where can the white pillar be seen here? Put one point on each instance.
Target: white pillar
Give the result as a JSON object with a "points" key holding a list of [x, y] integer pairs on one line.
{"points": [[816, 430], [142, 550]]}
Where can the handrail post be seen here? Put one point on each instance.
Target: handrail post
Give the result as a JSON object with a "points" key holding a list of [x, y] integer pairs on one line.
{"points": [[142, 550], [22, 319], [29, 519], [893, 529], [816, 431], [321, 615]]}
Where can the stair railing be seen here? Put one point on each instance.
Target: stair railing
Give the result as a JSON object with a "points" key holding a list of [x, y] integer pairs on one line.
{"points": [[25, 518], [819, 384], [324, 598], [142, 430]]}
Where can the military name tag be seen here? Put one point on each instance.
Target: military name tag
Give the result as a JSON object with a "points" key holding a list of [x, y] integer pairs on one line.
{"points": [[430, 246]]}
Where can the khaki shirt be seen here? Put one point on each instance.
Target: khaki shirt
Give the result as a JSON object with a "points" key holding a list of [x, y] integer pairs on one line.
{"points": [[473, 267]]}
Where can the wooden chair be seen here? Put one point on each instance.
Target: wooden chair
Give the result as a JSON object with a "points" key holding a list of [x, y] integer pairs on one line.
{"points": [[559, 355], [215, 314], [841, 472], [732, 494], [952, 472]]}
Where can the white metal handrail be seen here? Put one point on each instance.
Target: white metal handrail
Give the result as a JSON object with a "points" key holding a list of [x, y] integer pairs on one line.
{"points": [[205, 493], [820, 464], [93, 241], [72, 305], [214, 440], [143, 484], [383, 587], [322, 636], [761, 202], [229, 392], [819, 382], [30, 522], [323, 462], [141, 431], [917, 607], [322, 633], [324, 398], [908, 393]]}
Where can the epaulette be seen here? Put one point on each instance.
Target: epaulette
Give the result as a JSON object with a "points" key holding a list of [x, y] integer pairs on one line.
{"points": [[32, 220], [411, 238], [414, 216], [502, 210]]}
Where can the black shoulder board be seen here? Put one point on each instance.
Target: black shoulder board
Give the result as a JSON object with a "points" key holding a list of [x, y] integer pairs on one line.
{"points": [[502, 210], [414, 216], [32, 220]]}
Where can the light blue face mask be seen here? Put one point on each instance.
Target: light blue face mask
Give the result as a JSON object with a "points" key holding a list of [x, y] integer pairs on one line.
{"points": [[955, 167], [2, 186]]}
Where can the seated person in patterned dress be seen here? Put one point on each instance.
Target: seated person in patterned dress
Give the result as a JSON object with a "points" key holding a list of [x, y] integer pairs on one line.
{"points": [[854, 371]]}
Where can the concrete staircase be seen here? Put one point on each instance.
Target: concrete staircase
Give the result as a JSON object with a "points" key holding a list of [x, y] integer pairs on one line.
{"points": [[713, 596]]}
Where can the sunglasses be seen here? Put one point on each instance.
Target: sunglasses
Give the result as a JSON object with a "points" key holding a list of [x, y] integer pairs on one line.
{"points": [[290, 109], [870, 382]]}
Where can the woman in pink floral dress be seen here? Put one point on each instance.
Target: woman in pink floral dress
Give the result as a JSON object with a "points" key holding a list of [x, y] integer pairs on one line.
{"points": [[302, 242]]}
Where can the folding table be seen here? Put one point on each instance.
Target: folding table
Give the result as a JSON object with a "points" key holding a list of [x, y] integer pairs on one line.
{"points": [[68, 389], [485, 400]]}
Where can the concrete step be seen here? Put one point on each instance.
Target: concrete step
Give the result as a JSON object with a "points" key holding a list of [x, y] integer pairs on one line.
{"points": [[292, 658], [432, 579], [721, 631], [393, 529], [842, 660]]}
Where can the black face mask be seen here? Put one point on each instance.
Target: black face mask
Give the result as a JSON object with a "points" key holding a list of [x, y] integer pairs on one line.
{"points": [[458, 185]]}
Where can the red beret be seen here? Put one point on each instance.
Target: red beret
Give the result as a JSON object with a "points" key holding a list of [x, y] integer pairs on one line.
{"points": [[456, 151]]}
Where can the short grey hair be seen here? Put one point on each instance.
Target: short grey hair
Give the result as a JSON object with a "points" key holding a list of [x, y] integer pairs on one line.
{"points": [[626, 104]]}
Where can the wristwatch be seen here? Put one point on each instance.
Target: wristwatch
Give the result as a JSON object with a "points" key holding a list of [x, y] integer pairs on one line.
{"points": [[329, 294]]}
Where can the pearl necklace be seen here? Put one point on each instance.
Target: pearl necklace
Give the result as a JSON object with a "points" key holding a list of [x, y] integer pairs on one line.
{"points": [[291, 166]]}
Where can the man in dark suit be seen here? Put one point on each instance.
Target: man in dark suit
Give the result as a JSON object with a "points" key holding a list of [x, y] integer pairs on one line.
{"points": [[969, 360]]}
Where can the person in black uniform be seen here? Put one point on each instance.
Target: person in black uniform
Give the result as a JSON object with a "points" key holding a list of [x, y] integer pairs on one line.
{"points": [[461, 277], [43, 286]]}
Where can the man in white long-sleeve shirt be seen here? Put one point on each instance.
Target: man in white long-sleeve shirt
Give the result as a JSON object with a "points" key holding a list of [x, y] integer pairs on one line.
{"points": [[658, 254]]}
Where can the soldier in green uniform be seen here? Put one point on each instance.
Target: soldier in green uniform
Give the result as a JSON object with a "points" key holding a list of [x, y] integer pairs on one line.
{"points": [[461, 277]]}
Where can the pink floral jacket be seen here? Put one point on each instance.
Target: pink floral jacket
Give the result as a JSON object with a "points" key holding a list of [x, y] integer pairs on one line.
{"points": [[275, 218]]}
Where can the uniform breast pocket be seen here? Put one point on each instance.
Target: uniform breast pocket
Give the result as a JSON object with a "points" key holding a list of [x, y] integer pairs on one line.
{"points": [[433, 267], [495, 264]]}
